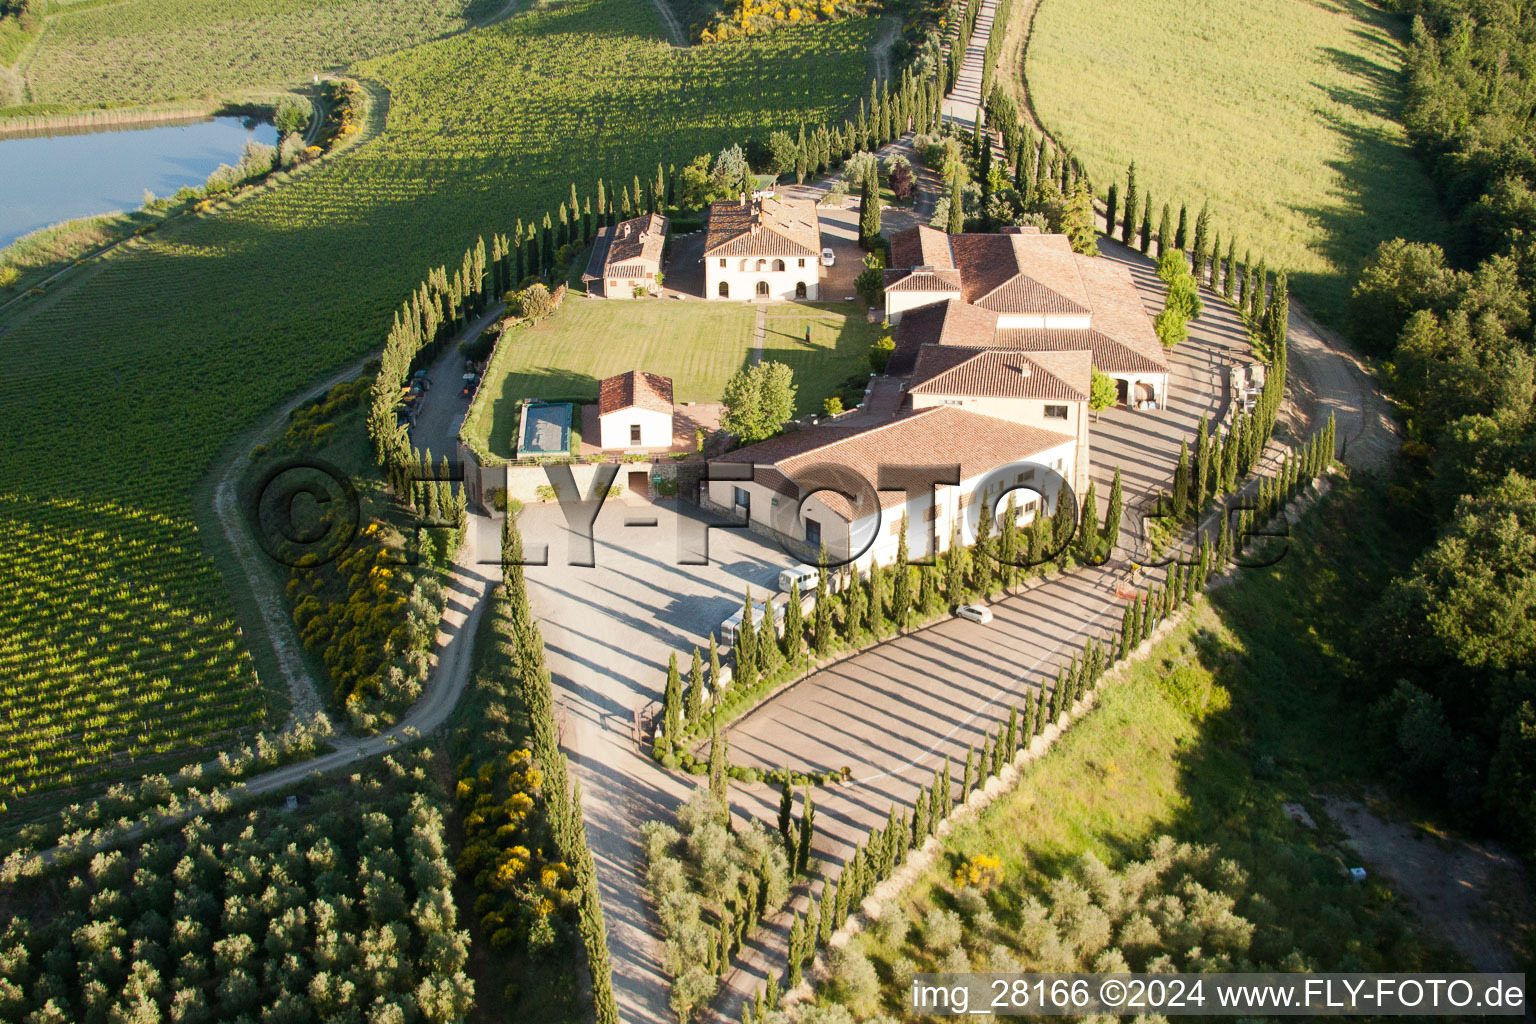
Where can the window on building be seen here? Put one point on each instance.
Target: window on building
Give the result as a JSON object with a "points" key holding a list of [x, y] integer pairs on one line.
{"points": [[813, 533], [932, 514], [722, 263], [778, 265], [742, 498], [634, 433], [802, 261], [1026, 476], [1055, 412]]}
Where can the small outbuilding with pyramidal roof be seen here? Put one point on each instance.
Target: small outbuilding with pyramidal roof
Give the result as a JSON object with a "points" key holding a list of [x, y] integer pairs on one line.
{"points": [[634, 410]]}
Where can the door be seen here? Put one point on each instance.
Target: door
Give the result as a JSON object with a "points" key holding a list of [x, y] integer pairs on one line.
{"points": [[799, 289], [640, 483], [762, 289]]}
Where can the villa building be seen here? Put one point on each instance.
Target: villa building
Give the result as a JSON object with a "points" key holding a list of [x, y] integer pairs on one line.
{"points": [[627, 257], [1024, 291], [863, 523], [762, 249]]}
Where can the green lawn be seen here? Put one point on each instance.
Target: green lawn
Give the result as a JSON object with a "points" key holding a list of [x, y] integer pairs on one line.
{"points": [[1280, 112], [840, 338], [698, 344], [131, 379]]}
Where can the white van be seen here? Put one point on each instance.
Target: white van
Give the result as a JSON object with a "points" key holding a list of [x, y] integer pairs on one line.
{"points": [[800, 573], [760, 609]]}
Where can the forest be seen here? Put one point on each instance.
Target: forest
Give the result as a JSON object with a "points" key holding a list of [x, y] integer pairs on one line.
{"points": [[1449, 648]]}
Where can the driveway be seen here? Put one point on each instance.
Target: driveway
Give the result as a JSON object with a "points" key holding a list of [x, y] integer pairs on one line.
{"points": [[608, 632]]}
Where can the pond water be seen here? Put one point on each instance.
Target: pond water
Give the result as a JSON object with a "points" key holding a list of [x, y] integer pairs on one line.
{"points": [[45, 179]]}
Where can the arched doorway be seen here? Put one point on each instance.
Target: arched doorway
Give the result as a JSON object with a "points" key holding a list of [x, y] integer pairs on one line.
{"points": [[762, 289], [1122, 392], [778, 265], [799, 289], [725, 290]]}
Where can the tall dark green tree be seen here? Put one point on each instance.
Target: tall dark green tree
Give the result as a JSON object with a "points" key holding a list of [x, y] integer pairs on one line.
{"points": [[1114, 514], [1181, 234], [901, 584], [1165, 236], [1129, 227], [956, 222], [869, 210], [672, 702]]}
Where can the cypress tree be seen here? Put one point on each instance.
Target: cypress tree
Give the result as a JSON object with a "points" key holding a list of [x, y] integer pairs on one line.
{"points": [[1201, 241], [807, 833], [796, 953], [672, 702], [1057, 695], [969, 781], [786, 813], [840, 903], [1130, 207], [956, 222], [1114, 514], [1181, 481], [1031, 718], [1088, 527], [823, 637], [1145, 241], [719, 754], [948, 792], [1165, 231], [1181, 235], [1201, 473], [869, 211], [1111, 204], [1216, 261], [1013, 734], [920, 827], [714, 664], [984, 559], [1229, 279], [901, 586], [876, 599], [794, 625]]}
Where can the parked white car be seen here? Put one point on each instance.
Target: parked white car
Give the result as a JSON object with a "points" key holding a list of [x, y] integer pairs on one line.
{"points": [[827, 258], [975, 612]]}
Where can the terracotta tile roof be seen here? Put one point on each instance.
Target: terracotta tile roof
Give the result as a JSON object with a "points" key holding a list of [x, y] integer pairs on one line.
{"points": [[920, 280], [1019, 273], [1109, 355], [635, 390], [942, 435], [628, 249], [766, 227], [921, 246], [925, 325], [994, 373], [1118, 310]]}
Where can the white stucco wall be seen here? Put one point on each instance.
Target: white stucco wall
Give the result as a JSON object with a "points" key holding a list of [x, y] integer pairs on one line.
{"points": [[898, 302], [655, 429], [742, 277], [879, 534]]}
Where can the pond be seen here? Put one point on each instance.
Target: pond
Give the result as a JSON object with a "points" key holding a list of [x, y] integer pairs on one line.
{"points": [[53, 178]]}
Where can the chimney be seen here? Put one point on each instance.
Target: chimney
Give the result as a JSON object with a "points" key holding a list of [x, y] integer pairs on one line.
{"points": [[626, 229]]}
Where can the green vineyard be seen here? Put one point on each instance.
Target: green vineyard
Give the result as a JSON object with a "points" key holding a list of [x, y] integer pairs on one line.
{"points": [[118, 53], [123, 389]]}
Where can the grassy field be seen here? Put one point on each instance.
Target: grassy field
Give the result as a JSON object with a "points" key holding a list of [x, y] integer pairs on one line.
{"points": [[698, 344], [124, 387], [142, 51], [1280, 112], [1242, 707], [840, 339]]}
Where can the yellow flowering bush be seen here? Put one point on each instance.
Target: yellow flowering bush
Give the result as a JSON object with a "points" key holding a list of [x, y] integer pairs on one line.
{"points": [[982, 871]]}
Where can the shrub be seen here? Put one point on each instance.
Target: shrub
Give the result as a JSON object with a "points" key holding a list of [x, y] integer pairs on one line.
{"points": [[941, 930]]}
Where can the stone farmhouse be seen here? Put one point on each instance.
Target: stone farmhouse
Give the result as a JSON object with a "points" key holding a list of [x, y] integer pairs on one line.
{"points": [[1023, 291], [627, 256], [997, 338], [762, 249]]}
